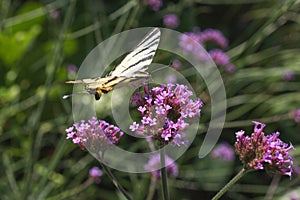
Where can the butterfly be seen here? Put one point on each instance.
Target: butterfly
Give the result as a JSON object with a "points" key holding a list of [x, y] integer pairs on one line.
{"points": [[131, 69]]}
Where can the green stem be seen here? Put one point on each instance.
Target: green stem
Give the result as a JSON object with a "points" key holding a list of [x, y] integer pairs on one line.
{"points": [[164, 180], [228, 185], [115, 182]]}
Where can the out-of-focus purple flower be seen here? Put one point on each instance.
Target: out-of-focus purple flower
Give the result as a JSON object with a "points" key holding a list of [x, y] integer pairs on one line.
{"points": [[189, 42], [264, 152], [219, 57], [171, 79], [54, 14], [93, 133], [230, 68], [171, 21], [154, 163], [72, 68], [288, 76], [213, 35], [95, 173], [176, 64], [164, 111], [296, 115], [155, 5], [294, 196], [223, 151]]}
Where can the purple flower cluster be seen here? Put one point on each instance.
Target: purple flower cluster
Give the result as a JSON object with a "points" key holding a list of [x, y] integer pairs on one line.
{"points": [[215, 36], [164, 111], [223, 151], [155, 5], [94, 131], [154, 163], [219, 57], [264, 152], [95, 173], [189, 43], [171, 21], [296, 115]]}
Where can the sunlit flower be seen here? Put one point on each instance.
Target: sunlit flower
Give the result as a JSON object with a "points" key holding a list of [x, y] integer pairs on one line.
{"points": [[223, 151], [164, 111], [154, 163], [264, 152], [171, 21], [93, 133], [155, 5], [95, 173]]}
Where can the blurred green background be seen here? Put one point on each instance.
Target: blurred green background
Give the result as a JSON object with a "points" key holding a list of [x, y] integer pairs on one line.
{"points": [[41, 40]]}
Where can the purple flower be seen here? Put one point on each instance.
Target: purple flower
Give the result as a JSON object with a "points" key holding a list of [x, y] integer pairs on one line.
{"points": [[288, 76], [223, 151], [171, 21], [165, 111], [54, 14], [95, 173], [264, 152], [219, 57], [176, 64], [154, 163], [189, 42], [94, 132], [296, 115], [72, 68], [213, 35], [155, 5], [230, 68]]}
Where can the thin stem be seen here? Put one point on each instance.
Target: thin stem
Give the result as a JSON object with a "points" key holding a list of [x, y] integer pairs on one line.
{"points": [[115, 182], [151, 188], [164, 180], [228, 185]]}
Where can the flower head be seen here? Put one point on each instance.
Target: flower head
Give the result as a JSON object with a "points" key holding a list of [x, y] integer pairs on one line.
{"points": [[154, 164], [54, 14], [95, 173], [189, 42], [176, 64], [219, 57], [230, 68], [155, 5], [94, 132], [164, 111], [171, 21], [223, 151], [213, 35], [264, 152]]}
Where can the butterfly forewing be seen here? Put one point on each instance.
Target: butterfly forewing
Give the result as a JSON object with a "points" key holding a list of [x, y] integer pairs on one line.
{"points": [[136, 63]]}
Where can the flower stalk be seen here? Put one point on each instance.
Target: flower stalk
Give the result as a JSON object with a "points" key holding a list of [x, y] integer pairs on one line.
{"points": [[230, 184], [164, 177]]}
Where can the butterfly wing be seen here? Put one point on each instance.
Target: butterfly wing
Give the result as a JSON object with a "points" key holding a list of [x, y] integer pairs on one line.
{"points": [[136, 63]]}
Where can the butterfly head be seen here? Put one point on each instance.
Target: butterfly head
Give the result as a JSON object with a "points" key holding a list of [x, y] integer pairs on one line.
{"points": [[94, 91]]}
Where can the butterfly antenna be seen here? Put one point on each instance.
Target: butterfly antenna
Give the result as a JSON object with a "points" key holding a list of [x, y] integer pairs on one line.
{"points": [[74, 94]]}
